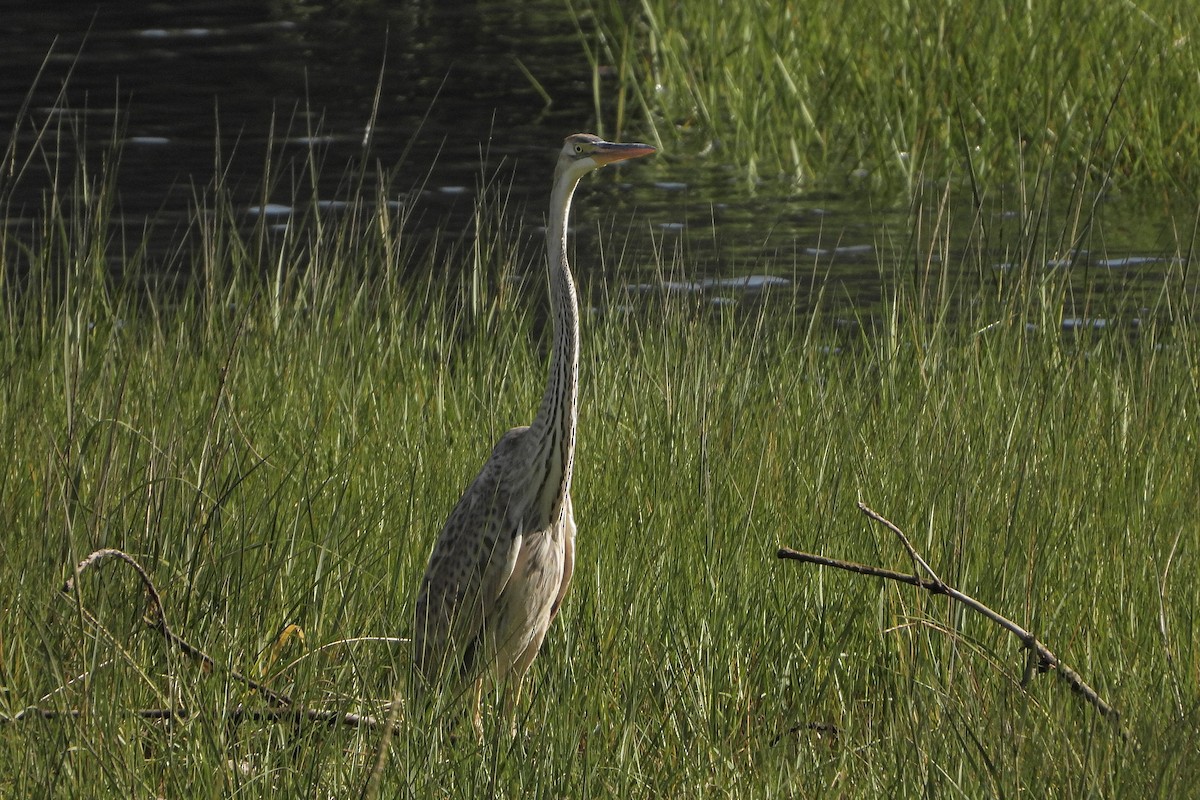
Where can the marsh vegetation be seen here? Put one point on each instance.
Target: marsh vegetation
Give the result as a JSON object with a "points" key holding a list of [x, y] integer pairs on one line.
{"points": [[277, 420]]}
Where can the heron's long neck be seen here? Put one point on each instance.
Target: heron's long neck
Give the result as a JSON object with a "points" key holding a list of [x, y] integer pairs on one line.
{"points": [[553, 429]]}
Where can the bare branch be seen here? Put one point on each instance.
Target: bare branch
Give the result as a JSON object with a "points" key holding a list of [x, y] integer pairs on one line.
{"points": [[236, 715], [1038, 653], [284, 710], [157, 619], [912, 551], [861, 569]]}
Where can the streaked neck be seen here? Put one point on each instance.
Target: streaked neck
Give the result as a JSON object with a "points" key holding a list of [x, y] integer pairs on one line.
{"points": [[553, 429]]}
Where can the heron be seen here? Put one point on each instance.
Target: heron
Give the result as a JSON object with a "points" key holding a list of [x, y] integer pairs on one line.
{"points": [[502, 563]]}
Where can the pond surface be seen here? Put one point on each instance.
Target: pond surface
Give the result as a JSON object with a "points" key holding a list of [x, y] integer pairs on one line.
{"points": [[187, 88]]}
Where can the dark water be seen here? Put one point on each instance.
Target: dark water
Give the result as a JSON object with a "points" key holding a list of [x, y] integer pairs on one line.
{"points": [[186, 89], [177, 80]]}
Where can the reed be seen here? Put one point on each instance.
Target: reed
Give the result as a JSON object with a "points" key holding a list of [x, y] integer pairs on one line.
{"points": [[824, 93]]}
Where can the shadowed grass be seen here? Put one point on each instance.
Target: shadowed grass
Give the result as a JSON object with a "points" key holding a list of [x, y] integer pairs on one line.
{"points": [[279, 439]]}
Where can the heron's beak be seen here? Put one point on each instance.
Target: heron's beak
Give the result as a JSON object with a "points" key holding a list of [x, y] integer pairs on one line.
{"points": [[609, 152]]}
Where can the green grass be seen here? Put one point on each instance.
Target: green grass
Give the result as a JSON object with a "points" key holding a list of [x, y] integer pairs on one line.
{"points": [[279, 439], [900, 91]]}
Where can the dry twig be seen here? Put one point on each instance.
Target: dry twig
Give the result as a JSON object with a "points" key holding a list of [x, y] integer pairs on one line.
{"points": [[1040, 656], [284, 709], [236, 715]]}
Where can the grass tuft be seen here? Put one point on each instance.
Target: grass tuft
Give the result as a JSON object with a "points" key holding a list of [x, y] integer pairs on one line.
{"points": [[821, 93]]}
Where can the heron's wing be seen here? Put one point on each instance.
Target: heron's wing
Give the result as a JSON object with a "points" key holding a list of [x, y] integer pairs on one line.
{"points": [[471, 563]]}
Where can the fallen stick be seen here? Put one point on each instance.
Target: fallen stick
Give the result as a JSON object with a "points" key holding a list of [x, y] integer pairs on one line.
{"points": [[159, 621], [1045, 659], [236, 715], [283, 710]]}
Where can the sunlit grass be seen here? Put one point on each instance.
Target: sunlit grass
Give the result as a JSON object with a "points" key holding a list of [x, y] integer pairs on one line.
{"points": [[279, 439], [816, 92]]}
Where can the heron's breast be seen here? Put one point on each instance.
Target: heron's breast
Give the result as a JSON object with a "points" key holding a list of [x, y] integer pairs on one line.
{"points": [[536, 578]]}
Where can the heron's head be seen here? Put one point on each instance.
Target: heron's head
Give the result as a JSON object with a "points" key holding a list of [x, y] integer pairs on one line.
{"points": [[584, 152]]}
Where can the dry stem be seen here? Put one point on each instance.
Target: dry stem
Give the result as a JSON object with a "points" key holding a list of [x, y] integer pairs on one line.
{"points": [[285, 709], [1038, 652]]}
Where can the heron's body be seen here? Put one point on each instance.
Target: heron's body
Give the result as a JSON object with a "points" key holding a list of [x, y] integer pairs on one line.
{"points": [[502, 563]]}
